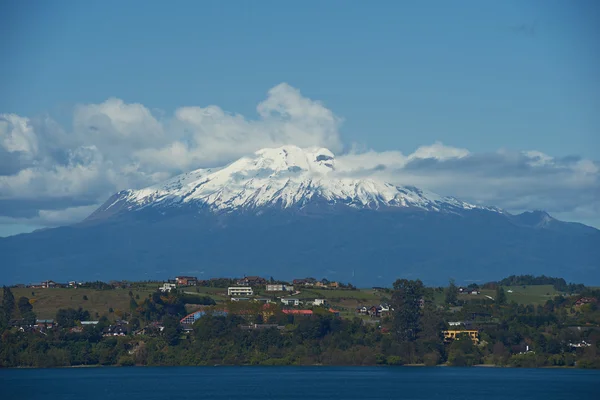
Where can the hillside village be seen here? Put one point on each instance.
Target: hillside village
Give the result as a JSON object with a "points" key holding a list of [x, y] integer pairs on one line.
{"points": [[171, 310]]}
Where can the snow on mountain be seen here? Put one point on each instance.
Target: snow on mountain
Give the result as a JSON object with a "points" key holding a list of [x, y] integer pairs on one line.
{"points": [[285, 177]]}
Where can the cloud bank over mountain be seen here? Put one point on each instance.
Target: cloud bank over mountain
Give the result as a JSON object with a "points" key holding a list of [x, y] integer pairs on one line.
{"points": [[52, 175]]}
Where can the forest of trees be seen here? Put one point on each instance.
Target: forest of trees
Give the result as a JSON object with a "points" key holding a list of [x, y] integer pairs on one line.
{"points": [[557, 333]]}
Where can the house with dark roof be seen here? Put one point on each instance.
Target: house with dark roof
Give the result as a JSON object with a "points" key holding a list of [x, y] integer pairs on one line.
{"points": [[115, 330], [186, 280]]}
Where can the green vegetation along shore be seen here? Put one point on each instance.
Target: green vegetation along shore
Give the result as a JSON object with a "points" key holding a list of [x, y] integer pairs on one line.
{"points": [[521, 321]]}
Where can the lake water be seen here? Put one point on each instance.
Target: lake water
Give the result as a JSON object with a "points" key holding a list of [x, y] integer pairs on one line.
{"points": [[264, 383]]}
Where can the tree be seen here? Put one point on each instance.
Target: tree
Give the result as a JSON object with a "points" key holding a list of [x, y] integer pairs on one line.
{"points": [[24, 306], [463, 352], [67, 318], [406, 300], [171, 330], [452, 293], [8, 304], [500, 295]]}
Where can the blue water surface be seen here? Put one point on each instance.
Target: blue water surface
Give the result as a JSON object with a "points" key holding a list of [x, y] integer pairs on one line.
{"points": [[250, 383]]}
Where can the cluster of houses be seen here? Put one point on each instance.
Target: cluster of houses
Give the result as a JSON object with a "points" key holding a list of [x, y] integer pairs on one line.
{"points": [[39, 325], [278, 287], [51, 284], [374, 311], [312, 282], [473, 291], [585, 300], [249, 282]]}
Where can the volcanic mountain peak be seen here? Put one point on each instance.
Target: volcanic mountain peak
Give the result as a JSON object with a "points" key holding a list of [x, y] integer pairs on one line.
{"points": [[284, 177]]}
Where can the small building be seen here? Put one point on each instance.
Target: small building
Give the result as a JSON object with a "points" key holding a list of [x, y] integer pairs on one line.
{"points": [[240, 291], [251, 281], [362, 310], [298, 312], [85, 323], [290, 301], [44, 323], [305, 282], [335, 313], [115, 330], [453, 334], [196, 315], [186, 280], [276, 287], [240, 299], [167, 287], [265, 300], [319, 302], [48, 284]]}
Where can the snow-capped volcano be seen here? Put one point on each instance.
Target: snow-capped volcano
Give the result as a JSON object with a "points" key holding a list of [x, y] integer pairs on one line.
{"points": [[288, 212], [285, 177]]}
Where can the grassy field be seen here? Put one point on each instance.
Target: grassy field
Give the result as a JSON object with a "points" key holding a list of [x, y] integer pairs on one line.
{"points": [[537, 294], [218, 294], [532, 294], [48, 301]]}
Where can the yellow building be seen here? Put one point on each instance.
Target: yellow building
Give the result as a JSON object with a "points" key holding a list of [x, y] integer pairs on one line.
{"points": [[455, 334]]}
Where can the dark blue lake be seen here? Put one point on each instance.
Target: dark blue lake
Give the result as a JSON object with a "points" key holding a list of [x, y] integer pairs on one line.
{"points": [[251, 383]]}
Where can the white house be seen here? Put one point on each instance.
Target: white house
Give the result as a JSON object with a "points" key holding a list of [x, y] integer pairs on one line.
{"points": [[319, 302], [240, 291], [455, 323], [167, 287], [240, 299], [290, 301], [276, 287]]}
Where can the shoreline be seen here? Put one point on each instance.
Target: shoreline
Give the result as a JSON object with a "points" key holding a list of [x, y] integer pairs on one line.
{"points": [[484, 366]]}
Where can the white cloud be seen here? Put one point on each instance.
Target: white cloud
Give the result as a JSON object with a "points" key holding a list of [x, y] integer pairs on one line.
{"points": [[516, 181], [438, 151], [17, 135], [50, 175]]}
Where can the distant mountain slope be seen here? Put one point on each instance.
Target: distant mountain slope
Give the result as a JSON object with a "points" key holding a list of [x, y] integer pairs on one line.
{"points": [[286, 213]]}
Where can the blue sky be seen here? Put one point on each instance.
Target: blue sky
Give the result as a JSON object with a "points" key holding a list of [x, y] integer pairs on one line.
{"points": [[479, 75]]}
